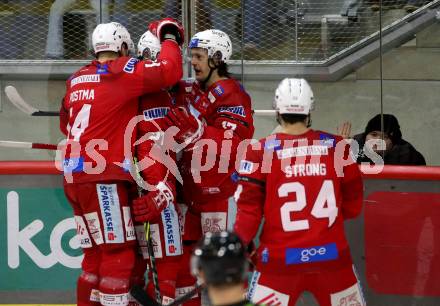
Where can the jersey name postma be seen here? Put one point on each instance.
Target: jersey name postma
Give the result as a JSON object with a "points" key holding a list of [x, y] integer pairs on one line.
{"points": [[170, 220], [111, 213]]}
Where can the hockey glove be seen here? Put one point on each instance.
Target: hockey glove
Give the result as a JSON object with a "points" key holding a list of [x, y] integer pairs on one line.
{"points": [[148, 207], [201, 102], [168, 28], [188, 123]]}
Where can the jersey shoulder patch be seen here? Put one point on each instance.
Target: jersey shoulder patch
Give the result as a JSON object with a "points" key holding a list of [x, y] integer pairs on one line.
{"points": [[130, 65], [120, 65], [222, 88], [327, 139], [272, 144]]}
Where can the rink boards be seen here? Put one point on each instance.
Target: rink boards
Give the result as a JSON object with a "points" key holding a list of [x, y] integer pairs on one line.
{"points": [[395, 243]]}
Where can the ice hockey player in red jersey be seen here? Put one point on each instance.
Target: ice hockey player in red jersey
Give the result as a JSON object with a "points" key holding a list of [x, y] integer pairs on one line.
{"points": [[217, 119], [305, 184], [101, 99], [158, 205]]}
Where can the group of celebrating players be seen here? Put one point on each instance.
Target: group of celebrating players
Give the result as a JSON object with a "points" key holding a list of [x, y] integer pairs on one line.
{"points": [[132, 123]]}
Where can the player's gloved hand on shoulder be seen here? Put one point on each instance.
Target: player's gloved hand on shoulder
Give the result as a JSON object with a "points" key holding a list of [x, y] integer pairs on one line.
{"points": [[190, 126], [148, 207], [168, 28]]}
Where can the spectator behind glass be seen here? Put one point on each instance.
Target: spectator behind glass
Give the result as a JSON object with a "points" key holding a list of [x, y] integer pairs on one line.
{"points": [[397, 150]]}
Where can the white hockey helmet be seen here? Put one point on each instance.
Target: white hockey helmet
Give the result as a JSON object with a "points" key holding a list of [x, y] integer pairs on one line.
{"points": [[294, 96], [110, 37], [150, 42], [216, 42]]}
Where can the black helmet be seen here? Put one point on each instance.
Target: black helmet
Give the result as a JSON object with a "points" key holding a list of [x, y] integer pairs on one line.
{"points": [[222, 258]]}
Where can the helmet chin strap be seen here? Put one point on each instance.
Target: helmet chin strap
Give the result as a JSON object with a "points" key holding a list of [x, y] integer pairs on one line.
{"points": [[309, 121], [278, 118], [209, 76], [211, 70]]}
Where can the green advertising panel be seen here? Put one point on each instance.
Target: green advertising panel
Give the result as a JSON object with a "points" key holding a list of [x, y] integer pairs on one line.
{"points": [[38, 243]]}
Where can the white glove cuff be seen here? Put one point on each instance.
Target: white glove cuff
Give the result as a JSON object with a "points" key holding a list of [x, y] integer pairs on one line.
{"points": [[170, 36], [165, 190]]}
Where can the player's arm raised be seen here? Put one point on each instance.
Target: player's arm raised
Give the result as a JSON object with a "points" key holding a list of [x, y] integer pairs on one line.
{"points": [[149, 76]]}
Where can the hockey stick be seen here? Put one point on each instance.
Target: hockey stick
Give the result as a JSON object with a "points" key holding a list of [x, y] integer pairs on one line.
{"points": [[148, 238], [27, 145], [263, 112], [144, 299], [15, 98]]}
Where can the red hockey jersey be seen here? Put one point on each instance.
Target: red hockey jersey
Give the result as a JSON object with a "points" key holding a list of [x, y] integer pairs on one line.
{"points": [[305, 186], [161, 158], [100, 101], [208, 166]]}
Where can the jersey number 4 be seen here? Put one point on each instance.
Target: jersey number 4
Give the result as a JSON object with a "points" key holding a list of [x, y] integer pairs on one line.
{"points": [[324, 206], [81, 122]]}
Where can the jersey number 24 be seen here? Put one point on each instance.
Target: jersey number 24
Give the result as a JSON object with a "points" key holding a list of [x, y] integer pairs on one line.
{"points": [[324, 206]]}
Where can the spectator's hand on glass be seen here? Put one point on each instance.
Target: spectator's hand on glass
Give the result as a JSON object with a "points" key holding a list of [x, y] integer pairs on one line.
{"points": [[344, 130]]}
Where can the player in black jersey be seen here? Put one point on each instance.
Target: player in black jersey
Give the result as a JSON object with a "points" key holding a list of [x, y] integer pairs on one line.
{"points": [[220, 262]]}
